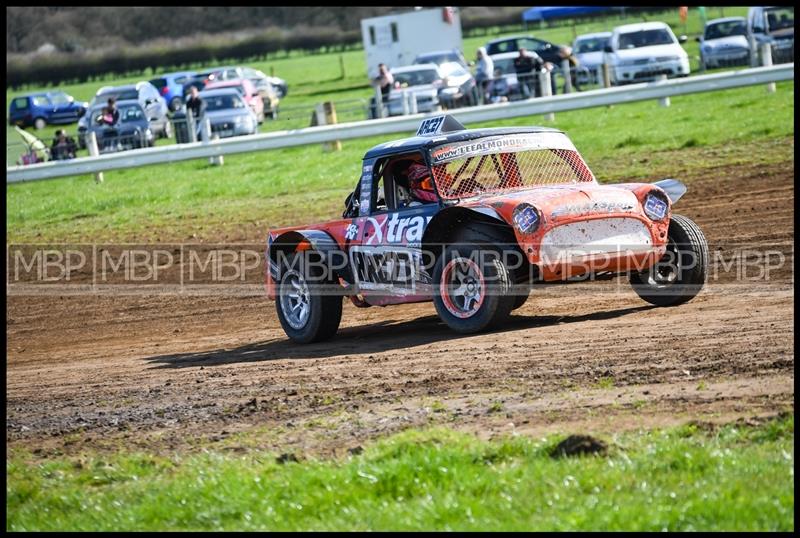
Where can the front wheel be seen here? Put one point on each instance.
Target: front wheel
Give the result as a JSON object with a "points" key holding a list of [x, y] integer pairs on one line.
{"points": [[680, 274], [471, 289], [305, 312], [39, 124]]}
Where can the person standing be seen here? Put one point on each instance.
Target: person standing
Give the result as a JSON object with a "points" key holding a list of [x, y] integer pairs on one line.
{"points": [[197, 106], [384, 81], [484, 72], [110, 114], [565, 53], [527, 66]]}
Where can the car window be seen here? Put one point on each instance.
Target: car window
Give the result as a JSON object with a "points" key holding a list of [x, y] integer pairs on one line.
{"points": [[122, 96], [159, 83], [724, 29], [505, 66], [416, 78], [223, 102], [645, 38], [590, 44], [20, 103], [41, 100], [59, 98], [532, 44], [180, 80], [779, 18], [131, 113], [502, 46]]}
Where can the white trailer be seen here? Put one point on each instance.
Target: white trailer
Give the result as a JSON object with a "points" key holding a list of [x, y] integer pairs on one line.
{"points": [[397, 39]]}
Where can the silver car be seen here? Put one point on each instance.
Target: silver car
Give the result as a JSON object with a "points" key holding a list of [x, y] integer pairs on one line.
{"points": [[588, 48], [228, 113], [724, 43]]}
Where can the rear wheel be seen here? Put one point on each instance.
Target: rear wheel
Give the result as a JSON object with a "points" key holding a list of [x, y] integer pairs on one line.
{"points": [[680, 274], [471, 288], [305, 312], [175, 103]]}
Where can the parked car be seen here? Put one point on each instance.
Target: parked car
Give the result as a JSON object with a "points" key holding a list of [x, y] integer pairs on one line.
{"points": [[640, 52], [44, 108], [440, 57], [773, 25], [132, 131], [247, 90], [258, 78], [199, 81], [228, 112], [547, 50], [724, 43], [588, 49], [449, 85], [504, 86], [280, 85], [170, 85], [154, 106]]}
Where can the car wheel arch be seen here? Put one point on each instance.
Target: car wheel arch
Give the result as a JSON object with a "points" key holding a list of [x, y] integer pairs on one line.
{"points": [[445, 225], [317, 240]]}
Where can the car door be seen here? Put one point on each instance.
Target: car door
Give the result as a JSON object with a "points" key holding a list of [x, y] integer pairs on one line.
{"points": [[385, 252]]}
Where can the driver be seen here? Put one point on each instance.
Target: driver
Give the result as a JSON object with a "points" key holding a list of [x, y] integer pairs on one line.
{"points": [[421, 183]]}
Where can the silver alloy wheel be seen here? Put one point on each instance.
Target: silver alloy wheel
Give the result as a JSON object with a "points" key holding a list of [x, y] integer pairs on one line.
{"points": [[463, 291], [295, 300], [664, 275]]}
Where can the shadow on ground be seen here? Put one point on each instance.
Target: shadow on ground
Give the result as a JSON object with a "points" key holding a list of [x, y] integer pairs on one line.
{"points": [[378, 337]]}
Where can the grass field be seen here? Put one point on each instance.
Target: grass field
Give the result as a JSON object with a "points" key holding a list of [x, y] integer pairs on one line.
{"points": [[735, 478], [342, 77], [256, 191]]}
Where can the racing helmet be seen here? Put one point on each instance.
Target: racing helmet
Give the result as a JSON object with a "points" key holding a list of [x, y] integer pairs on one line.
{"points": [[421, 183]]}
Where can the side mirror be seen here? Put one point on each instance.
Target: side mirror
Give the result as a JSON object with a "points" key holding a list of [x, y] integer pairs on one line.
{"points": [[683, 39], [608, 48]]}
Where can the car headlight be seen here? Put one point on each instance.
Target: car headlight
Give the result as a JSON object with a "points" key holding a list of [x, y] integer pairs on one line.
{"points": [[148, 133], [526, 218], [655, 206]]}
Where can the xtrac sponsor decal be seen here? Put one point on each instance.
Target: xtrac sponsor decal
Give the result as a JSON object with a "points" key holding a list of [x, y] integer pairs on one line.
{"points": [[390, 270], [602, 206], [395, 229]]}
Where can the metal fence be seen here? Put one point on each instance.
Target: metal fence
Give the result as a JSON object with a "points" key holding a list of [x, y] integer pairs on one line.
{"points": [[547, 106]]}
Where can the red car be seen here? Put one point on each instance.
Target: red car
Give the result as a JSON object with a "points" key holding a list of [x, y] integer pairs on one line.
{"points": [[472, 219], [249, 93]]}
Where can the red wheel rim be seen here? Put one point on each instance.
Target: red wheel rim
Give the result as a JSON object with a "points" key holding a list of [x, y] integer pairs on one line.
{"points": [[462, 287]]}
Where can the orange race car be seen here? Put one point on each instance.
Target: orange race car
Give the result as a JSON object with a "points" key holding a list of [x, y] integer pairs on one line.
{"points": [[472, 219]]}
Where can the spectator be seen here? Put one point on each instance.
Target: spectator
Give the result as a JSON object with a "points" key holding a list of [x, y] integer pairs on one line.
{"points": [[498, 87], [527, 65], [484, 72], [64, 147], [384, 81], [197, 105], [565, 53], [110, 113]]}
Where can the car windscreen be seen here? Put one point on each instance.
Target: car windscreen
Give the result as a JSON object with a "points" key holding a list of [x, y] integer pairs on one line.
{"points": [[645, 38], [416, 78], [724, 29], [505, 66], [437, 58], [590, 44], [779, 18], [41, 100], [59, 98], [130, 113], [502, 163], [119, 95], [223, 102]]}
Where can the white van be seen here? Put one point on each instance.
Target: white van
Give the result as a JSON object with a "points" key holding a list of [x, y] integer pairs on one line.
{"points": [[640, 52]]}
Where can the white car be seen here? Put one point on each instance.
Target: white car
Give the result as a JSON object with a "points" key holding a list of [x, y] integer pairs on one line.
{"points": [[724, 43], [640, 52], [588, 48]]}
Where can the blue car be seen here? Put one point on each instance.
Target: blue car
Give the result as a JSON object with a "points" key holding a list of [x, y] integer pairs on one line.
{"points": [[43, 108], [170, 86]]}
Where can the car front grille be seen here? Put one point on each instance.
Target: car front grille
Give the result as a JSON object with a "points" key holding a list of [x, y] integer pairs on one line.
{"points": [[652, 73]]}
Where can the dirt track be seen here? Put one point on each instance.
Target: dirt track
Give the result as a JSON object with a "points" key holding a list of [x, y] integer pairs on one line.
{"points": [[163, 372]]}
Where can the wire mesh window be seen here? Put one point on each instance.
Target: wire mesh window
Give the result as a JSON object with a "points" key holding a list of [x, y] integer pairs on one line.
{"points": [[493, 172]]}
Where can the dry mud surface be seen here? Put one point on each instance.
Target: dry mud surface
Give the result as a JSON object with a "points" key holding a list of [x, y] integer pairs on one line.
{"points": [[181, 372]]}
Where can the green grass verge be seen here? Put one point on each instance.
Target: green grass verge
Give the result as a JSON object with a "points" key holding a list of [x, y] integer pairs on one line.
{"points": [[253, 192], [735, 478]]}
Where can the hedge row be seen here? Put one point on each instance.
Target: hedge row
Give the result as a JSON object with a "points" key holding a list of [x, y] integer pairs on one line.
{"points": [[60, 68]]}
